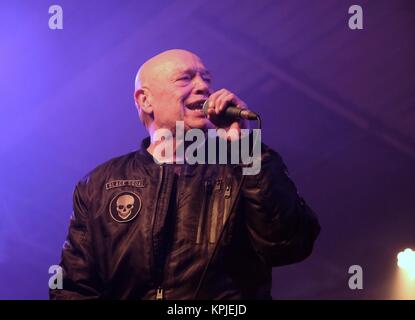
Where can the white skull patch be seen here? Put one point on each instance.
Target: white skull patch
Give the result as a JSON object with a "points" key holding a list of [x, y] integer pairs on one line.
{"points": [[125, 206]]}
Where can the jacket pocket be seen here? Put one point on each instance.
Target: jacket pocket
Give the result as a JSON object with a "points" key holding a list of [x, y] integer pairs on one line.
{"points": [[227, 200], [216, 212], [221, 206]]}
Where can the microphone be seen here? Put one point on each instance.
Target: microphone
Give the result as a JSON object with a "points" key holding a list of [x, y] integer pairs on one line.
{"points": [[233, 112]]}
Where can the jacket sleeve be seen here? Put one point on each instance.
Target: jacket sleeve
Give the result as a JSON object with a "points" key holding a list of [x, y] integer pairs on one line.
{"points": [[80, 280], [281, 226]]}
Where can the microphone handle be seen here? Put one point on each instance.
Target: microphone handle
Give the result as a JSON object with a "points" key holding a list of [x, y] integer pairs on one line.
{"points": [[234, 112], [238, 113]]}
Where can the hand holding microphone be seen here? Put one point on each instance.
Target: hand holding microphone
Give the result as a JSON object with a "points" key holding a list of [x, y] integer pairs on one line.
{"points": [[233, 112], [225, 110]]}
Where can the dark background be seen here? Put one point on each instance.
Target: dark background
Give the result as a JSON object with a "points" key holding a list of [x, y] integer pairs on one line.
{"points": [[338, 104]]}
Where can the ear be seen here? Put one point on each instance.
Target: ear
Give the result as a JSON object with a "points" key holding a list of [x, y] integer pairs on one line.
{"points": [[142, 101]]}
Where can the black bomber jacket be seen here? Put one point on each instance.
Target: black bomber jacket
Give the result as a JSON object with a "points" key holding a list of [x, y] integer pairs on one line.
{"points": [[128, 240]]}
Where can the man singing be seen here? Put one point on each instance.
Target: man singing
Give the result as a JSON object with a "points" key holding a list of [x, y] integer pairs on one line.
{"points": [[149, 228]]}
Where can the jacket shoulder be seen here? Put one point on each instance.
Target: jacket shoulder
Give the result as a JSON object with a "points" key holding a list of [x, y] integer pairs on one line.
{"points": [[98, 176]]}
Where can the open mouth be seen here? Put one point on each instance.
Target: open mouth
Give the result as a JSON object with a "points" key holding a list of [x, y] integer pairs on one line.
{"points": [[196, 105]]}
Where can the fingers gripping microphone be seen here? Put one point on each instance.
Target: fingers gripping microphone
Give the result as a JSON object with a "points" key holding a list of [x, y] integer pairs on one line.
{"points": [[233, 112]]}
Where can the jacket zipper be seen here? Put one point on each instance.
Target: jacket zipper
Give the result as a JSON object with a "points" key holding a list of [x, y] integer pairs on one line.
{"points": [[159, 293], [159, 290], [202, 216], [227, 195]]}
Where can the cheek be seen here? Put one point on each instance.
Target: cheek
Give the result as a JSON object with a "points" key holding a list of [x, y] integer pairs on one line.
{"points": [[169, 104], [182, 95], [165, 104], [177, 101], [169, 110]]}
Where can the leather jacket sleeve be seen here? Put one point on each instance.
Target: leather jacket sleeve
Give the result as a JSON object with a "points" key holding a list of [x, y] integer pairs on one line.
{"points": [[80, 280], [281, 226]]}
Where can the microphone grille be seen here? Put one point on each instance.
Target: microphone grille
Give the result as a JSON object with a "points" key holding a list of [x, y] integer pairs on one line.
{"points": [[206, 106]]}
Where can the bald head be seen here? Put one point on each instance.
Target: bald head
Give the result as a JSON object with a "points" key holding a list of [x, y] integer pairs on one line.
{"points": [[166, 84], [161, 66]]}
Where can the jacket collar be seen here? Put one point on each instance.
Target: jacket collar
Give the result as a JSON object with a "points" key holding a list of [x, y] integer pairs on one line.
{"points": [[142, 155], [147, 157]]}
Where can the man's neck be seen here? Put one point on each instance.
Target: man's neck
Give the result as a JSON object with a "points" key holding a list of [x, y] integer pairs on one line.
{"points": [[175, 156], [170, 148]]}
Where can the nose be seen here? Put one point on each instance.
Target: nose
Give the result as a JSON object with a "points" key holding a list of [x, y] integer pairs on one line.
{"points": [[201, 86]]}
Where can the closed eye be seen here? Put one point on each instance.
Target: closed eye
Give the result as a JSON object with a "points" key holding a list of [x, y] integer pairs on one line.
{"points": [[207, 79], [188, 77], [184, 78]]}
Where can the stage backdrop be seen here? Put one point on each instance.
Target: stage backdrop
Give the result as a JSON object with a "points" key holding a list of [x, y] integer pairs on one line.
{"points": [[337, 103]]}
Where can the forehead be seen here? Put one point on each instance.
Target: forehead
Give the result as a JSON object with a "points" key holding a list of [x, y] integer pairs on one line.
{"points": [[181, 63]]}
